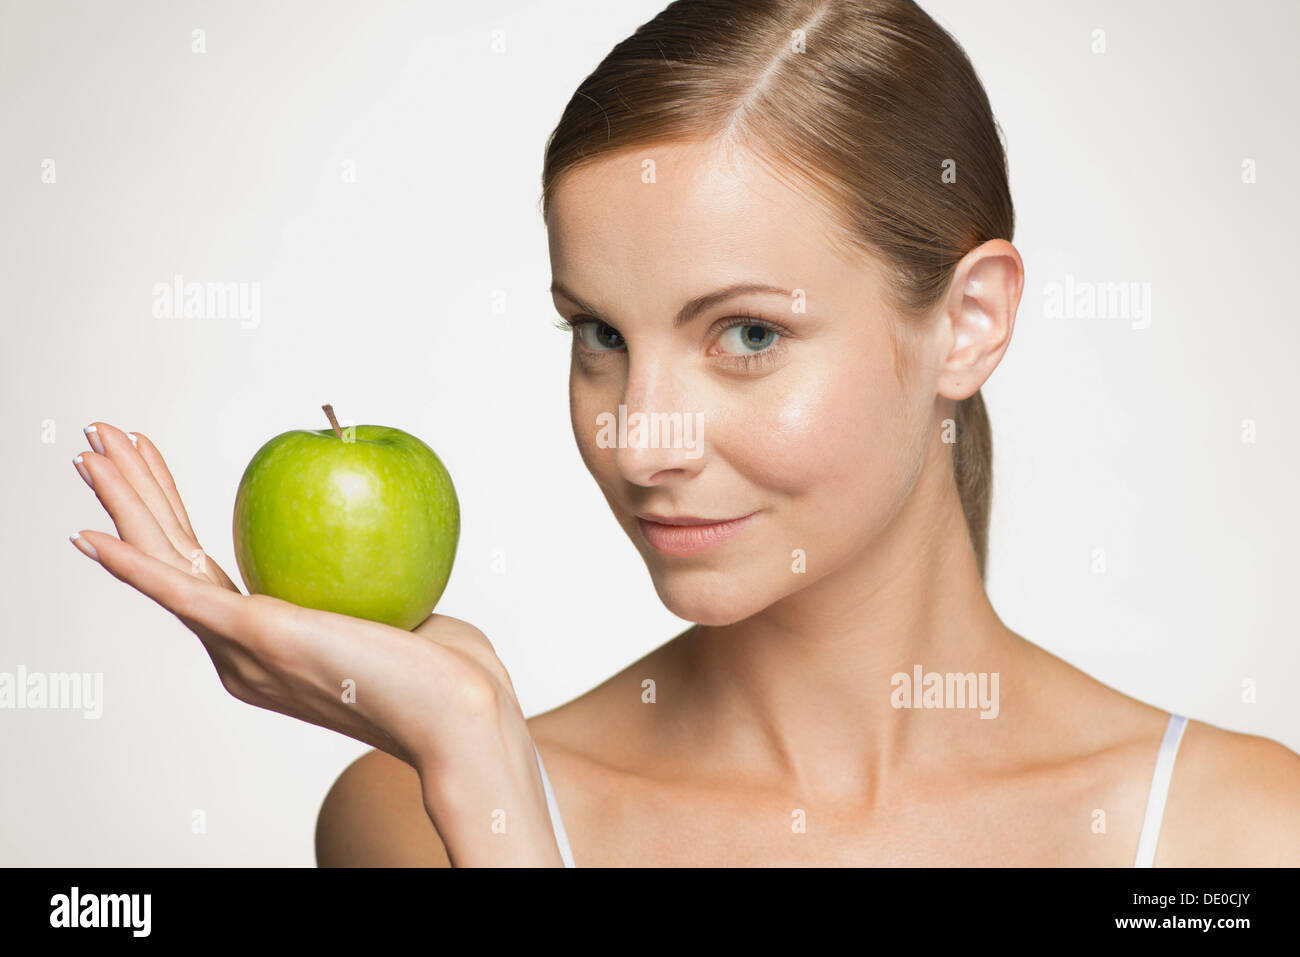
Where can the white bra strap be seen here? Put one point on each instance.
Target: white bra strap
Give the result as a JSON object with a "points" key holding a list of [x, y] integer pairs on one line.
{"points": [[557, 824], [1146, 852]]}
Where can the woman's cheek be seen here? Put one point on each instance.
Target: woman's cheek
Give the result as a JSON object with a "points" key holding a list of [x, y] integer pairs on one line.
{"points": [[822, 431], [833, 458], [585, 404]]}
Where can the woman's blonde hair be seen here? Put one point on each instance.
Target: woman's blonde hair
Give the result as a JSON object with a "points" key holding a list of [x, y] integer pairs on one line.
{"points": [[868, 106]]}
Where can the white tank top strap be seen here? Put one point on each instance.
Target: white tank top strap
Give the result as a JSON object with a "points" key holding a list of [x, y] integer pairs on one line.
{"points": [[1146, 852], [557, 824]]}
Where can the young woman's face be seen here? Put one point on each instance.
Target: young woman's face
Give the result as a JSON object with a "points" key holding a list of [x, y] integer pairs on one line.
{"points": [[803, 424]]}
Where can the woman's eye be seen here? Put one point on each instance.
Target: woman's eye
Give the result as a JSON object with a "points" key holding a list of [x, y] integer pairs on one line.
{"points": [[747, 337], [744, 343], [598, 336]]}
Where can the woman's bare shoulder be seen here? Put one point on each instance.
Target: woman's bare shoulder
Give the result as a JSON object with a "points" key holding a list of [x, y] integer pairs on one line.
{"points": [[374, 816], [588, 732], [598, 747], [1233, 798], [1234, 801], [611, 718]]}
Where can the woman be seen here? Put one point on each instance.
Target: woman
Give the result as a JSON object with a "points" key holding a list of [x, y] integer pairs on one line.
{"points": [[783, 228]]}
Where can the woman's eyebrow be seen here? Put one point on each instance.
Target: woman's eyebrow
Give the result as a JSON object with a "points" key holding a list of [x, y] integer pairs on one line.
{"points": [[693, 307]]}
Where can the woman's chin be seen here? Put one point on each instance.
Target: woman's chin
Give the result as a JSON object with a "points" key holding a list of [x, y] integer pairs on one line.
{"points": [[717, 604]]}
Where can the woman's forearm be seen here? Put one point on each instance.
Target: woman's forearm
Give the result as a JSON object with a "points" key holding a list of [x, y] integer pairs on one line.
{"points": [[492, 819]]}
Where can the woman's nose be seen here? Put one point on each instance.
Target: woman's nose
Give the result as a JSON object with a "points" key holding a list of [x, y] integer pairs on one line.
{"points": [[656, 432], [655, 445]]}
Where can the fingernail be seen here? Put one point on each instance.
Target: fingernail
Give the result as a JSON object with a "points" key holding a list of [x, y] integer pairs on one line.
{"points": [[79, 462], [131, 436], [83, 545], [92, 433]]}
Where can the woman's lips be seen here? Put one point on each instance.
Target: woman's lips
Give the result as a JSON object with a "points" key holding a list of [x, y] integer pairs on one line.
{"points": [[689, 536]]}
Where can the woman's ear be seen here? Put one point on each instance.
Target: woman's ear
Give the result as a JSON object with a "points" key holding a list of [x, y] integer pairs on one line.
{"points": [[978, 316]]}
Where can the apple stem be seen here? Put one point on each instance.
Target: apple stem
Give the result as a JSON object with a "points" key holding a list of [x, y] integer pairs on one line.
{"points": [[329, 411]]}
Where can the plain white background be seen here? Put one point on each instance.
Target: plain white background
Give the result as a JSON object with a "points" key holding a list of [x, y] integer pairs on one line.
{"points": [[378, 295]]}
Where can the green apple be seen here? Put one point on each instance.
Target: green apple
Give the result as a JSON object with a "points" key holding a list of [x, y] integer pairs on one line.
{"points": [[363, 522]]}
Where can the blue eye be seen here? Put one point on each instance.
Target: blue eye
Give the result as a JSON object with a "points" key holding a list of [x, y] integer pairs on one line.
{"points": [[748, 337], [756, 344]]}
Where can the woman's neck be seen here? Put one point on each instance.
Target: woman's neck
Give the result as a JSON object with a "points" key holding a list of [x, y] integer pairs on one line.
{"points": [[819, 691]]}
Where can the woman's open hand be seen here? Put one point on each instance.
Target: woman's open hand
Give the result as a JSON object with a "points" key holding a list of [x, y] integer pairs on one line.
{"points": [[437, 697]]}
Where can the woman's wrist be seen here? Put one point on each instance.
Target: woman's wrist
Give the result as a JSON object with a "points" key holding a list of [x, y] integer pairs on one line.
{"points": [[492, 813]]}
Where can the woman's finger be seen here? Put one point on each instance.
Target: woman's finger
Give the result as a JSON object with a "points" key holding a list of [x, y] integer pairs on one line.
{"points": [[162, 474], [190, 598], [135, 522], [118, 448]]}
